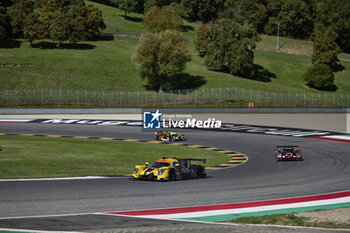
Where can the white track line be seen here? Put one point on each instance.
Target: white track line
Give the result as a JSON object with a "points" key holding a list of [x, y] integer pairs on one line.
{"points": [[66, 178], [337, 137], [35, 231], [47, 216]]}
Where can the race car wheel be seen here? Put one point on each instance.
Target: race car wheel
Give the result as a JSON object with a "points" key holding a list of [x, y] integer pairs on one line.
{"points": [[171, 174], [151, 177], [199, 172]]}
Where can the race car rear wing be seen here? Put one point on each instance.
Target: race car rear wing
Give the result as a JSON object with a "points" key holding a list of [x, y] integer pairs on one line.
{"points": [[189, 159], [287, 146], [202, 160]]}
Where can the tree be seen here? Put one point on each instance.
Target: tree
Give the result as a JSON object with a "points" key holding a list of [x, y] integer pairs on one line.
{"points": [[326, 51], [208, 9], [157, 20], [59, 28], [126, 5], [296, 19], [64, 20], [333, 21], [273, 9], [77, 26], [70, 25], [319, 76], [243, 10], [32, 28], [148, 4], [160, 56], [18, 13], [94, 21], [271, 26], [204, 10], [206, 35], [3, 23], [254, 12], [261, 18], [48, 12], [228, 46], [6, 3]]}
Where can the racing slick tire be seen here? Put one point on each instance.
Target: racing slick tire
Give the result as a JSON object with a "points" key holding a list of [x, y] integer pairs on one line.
{"points": [[171, 175], [199, 172]]}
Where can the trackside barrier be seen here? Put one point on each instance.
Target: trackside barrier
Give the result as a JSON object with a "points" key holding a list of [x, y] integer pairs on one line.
{"points": [[210, 97]]}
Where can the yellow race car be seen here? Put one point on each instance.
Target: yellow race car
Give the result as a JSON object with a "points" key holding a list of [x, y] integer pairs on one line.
{"points": [[170, 169], [170, 136]]}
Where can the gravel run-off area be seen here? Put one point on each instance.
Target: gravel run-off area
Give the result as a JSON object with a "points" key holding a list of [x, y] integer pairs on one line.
{"points": [[341, 215]]}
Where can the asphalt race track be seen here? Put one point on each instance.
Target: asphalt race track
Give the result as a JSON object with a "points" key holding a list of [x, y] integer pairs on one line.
{"points": [[326, 168]]}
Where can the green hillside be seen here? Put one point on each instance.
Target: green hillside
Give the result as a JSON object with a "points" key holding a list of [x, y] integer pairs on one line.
{"points": [[116, 23], [107, 65]]}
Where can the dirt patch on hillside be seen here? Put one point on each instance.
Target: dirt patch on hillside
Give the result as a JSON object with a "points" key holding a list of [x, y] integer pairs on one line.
{"points": [[9, 65]]}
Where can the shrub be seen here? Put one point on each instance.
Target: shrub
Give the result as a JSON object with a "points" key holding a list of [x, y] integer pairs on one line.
{"points": [[319, 76]]}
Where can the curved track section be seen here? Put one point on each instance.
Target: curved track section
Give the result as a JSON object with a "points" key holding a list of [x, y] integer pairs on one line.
{"points": [[325, 169]]}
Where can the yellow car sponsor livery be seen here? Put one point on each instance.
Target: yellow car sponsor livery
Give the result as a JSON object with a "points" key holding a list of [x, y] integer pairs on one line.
{"points": [[170, 169], [170, 136]]}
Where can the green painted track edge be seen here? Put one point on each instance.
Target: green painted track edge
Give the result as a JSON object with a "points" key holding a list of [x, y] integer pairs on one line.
{"points": [[228, 217]]}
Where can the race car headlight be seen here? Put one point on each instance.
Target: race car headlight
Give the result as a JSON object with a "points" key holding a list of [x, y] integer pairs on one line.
{"points": [[161, 171], [136, 170]]}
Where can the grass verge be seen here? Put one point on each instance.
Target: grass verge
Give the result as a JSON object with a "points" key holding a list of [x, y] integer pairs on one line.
{"points": [[38, 157], [291, 220]]}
